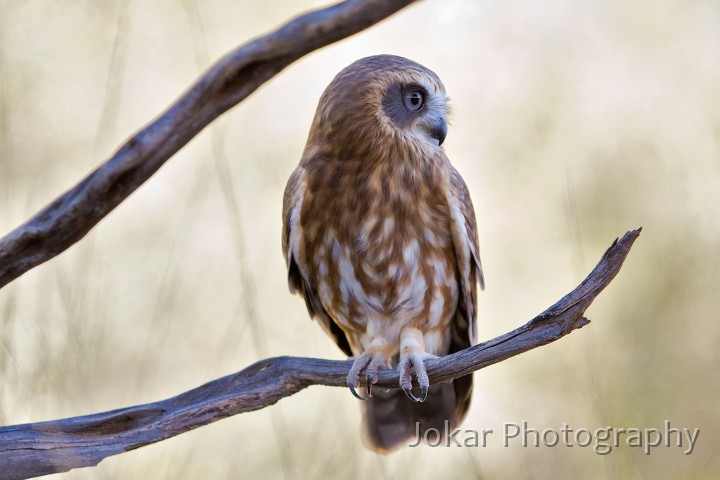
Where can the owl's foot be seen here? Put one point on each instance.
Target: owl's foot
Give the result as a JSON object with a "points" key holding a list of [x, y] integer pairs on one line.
{"points": [[376, 357], [409, 363], [412, 352]]}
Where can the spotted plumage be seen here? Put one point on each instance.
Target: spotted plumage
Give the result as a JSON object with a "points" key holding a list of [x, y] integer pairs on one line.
{"points": [[380, 240]]}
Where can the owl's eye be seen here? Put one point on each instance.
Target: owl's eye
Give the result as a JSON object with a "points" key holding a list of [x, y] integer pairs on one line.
{"points": [[413, 100]]}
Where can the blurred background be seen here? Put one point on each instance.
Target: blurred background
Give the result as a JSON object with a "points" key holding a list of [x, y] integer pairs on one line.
{"points": [[573, 123]]}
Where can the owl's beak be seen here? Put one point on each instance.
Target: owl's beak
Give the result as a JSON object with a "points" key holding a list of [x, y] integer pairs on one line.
{"points": [[438, 130]]}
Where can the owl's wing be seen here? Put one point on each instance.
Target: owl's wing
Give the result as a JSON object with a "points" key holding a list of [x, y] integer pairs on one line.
{"points": [[470, 274], [293, 244], [467, 252]]}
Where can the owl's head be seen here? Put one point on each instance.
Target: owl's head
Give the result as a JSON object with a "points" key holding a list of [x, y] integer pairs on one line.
{"points": [[382, 102]]}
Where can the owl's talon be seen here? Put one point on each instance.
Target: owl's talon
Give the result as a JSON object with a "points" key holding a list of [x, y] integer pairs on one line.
{"points": [[409, 363], [353, 378], [357, 395], [424, 392], [411, 395], [371, 362], [371, 377]]}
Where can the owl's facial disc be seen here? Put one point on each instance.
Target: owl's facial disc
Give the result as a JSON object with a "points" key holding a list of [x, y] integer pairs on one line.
{"points": [[411, 107]]}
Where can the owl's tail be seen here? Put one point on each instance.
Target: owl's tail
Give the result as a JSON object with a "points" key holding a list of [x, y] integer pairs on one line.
{"points": [[391, 419]]}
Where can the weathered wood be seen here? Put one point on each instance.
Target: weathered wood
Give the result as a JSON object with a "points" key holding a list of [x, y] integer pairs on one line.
{"points": [[72, 215], [57, 446]]}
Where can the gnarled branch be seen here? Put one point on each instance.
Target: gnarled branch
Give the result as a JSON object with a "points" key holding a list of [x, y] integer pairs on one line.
{"points": [[72, 215], [60, 445]]}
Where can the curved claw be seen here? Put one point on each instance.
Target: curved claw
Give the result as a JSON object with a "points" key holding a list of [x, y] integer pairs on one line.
{"points": [[371, 377], [411, 395], [357, 395], [424, 392]]}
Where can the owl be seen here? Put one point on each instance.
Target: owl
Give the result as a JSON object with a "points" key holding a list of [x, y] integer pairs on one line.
{"points": [[380, 239]]}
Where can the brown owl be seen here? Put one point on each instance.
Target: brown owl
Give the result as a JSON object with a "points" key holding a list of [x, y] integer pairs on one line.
{"points": [[380, 240]]}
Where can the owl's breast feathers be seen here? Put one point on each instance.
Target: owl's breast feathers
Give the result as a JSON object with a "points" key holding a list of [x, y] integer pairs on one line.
{"points": [[378, 247]]}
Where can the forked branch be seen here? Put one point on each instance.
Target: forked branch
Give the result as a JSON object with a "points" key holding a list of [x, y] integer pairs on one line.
{"points": [[57, 446]]}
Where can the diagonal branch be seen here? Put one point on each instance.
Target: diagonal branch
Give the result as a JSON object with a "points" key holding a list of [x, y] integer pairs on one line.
{"points": [[73, 214], [60, 445]]}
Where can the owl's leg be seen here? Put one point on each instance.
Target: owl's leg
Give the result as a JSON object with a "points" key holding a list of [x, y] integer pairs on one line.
{"points": [[412, 353], [377, 356]]}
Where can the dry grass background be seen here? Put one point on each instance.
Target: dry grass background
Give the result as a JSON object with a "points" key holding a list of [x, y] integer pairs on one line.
{"points": [[574, 122]]}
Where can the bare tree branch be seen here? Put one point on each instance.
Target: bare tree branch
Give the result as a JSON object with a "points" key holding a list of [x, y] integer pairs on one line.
{"points": [[60, 445], [72, 215]]}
